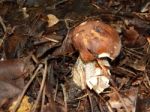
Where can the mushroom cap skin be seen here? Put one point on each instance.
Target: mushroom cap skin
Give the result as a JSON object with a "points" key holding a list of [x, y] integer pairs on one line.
{"points": [[95, 39]]}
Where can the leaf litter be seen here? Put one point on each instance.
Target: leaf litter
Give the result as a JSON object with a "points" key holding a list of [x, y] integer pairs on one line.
{"points": [[38, 58]]}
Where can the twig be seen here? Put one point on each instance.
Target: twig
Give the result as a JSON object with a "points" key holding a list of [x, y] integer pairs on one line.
{"points": [[34, 59], [107, 103], [147, 79], [145, 7], [26, 87], [78, 106], [81, 97], [50, 39], [109, 107], [66, 20], [90, 100], [126, 70], [2, 23], [99, 105], [43, 100], [65, 96], [41, 88], [134, 53], [56, 90]]}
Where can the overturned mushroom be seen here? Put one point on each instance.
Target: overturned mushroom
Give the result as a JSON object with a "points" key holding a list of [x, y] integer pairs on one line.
{"points": [[95, 41]]}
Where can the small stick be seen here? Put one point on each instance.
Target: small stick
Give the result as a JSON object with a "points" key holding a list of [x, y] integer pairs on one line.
{"points": [[107, 104], [147, 79], [65, 96], [90, 100], [34, 59], [56, 90], [81, 97], [43, 100], [26, 87], [41, 88], [145, 8], [50, 39], [2, 23], [109, 107], [78, 106]]}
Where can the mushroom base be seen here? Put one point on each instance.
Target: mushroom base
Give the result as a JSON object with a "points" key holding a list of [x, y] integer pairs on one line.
{"points": [[90, 75]]}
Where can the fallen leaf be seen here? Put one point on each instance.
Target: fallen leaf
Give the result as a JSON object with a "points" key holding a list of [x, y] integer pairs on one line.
{"points": [[52, 20], [13, 69], [14, 45], [131, 36], [129, 98], [12, 74], [8, 90]]}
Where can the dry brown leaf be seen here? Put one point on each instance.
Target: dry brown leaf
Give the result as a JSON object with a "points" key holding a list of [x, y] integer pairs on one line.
{"points": [[8, 90], [129, 98], [131, 36], [13, 69], [52, 20], [12, 74]]}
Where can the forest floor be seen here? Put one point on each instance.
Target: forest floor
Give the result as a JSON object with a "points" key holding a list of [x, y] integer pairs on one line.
{"points": [[36, 64]]}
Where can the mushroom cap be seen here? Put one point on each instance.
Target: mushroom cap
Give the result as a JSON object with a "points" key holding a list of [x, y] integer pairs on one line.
{"points": [[95, 39]]}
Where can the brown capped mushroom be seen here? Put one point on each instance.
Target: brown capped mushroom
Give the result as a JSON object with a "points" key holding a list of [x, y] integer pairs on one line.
{"points": [[95, 39]]}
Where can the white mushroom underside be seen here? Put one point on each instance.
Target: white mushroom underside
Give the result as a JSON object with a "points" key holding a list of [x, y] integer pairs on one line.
{"points": [[103, 55]]}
